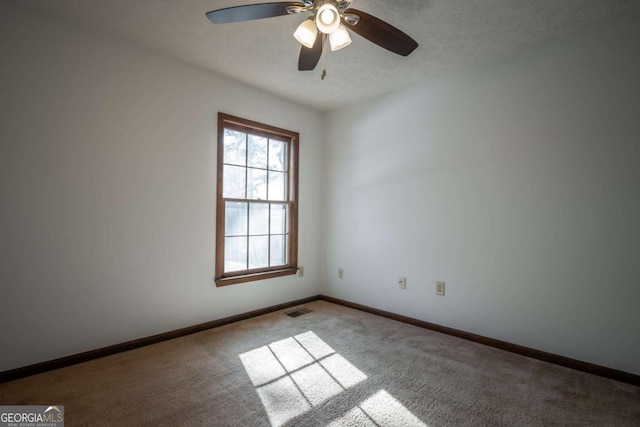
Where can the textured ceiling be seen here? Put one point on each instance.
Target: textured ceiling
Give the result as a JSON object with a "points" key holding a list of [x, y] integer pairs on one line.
{"points": [[263, 53]]}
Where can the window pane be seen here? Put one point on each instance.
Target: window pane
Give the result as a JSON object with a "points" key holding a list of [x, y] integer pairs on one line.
{"points": [[276, 185], [258, 218], [257, 188], [277, 155], [235, 219], [235, 254], [235, 147], [253, 213], [278, 254], [233, 182], [278, 219], [257, 151], [258, 251]]}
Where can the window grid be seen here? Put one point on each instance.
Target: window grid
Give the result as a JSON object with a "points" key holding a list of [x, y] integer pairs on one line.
{"points": [[280, 244], [247, 167], [268, 234]]}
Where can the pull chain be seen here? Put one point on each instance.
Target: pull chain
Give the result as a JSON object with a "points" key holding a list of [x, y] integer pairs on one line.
{"points": [[324, 45]]}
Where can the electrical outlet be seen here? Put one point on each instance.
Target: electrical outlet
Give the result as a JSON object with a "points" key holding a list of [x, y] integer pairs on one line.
{"points": [[402, 282], [300, 271], [340, 273], [440, 288]]}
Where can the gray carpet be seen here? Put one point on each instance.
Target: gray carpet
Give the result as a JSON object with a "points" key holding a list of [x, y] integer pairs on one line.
{"points": [[334, 366]]}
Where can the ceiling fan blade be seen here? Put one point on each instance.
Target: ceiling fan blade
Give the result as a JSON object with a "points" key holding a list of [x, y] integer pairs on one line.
{"points": [[381, 33], [309, 57], [250, 12]]}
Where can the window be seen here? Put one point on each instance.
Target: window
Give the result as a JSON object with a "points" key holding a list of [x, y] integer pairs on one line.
{"points": [[257, 202]]}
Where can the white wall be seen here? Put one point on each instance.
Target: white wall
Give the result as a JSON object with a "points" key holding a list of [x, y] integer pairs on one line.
{"points": [[107, 187], [516, 182]]}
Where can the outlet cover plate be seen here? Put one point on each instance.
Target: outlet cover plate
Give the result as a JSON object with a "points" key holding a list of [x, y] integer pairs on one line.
{"points": [[440, 288]]}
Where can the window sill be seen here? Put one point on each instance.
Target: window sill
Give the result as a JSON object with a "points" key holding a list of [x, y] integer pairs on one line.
{"points": [[224, 281]]}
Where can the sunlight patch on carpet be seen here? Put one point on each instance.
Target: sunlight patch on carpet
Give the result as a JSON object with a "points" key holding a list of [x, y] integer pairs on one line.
{"points": [[283, 401], [314, 345], [385, 410], [264, 367], [355, 417], [291, 354], [296, 374], [381, 409], [342, 371]]}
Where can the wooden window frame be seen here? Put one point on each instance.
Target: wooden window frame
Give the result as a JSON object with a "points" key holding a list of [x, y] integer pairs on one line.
{"points": [[291, 200]]}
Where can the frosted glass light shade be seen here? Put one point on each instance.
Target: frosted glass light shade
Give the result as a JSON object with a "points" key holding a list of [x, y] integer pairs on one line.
{"points": [[306, 33], [339, 38], [327, 18]]}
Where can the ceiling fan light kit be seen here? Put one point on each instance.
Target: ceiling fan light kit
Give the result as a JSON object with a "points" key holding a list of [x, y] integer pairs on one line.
{"points": [[327, 18], [339, 38], [331, 18], [306, 33]]}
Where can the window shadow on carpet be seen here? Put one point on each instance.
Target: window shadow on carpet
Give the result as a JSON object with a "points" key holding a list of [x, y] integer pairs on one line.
{"points": [[302, 373]]}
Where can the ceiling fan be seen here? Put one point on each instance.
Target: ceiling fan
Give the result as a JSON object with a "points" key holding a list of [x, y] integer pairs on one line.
{"points": [[329, 21]]}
